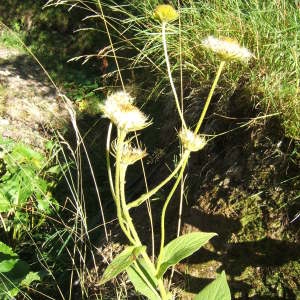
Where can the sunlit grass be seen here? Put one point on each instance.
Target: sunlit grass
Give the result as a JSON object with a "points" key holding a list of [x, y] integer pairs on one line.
{"points": [[270, 29]]}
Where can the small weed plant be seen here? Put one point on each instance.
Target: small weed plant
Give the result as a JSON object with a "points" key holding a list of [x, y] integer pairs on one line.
{"points": [[27, 179], [25, 189]]}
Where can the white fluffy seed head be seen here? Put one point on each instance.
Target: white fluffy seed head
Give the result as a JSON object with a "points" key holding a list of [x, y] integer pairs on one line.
{"points": [[119, 109], [191, 141], [227, 49], [130, 154]]}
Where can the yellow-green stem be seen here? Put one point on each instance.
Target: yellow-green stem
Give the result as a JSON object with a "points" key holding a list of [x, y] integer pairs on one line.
{"points": [[164, 41], [140, 272], [120, 141], [163, 214], [208, 99], [200, 121], [135, 237], [143, 198], [124, 208], [110, 179]]}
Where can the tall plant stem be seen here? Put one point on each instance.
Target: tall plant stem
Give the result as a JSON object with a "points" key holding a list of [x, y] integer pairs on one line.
{"points": [[111, 43], [134, 233], [164, 41], [120, 141], [110, 179], [148, 204], [178, 180], [146, 196], [163, 214], [123, 212], [208, 99]]}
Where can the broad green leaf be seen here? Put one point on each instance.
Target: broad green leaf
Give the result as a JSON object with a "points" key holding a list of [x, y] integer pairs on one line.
{"points": [[24, 154], [7, 250], [10, 281], [7, 263], [19, 271], [216, 290], [143, 281], [30, 277], [181, 248], [121, 262]]}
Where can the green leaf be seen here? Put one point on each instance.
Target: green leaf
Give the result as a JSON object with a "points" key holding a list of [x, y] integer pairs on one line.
{"points": [[143, 281], [121, 262], [7, 250], [30, 277], [8, 258], [181, 248], [216, 290], [6, 264], [4, 203], [55, 170], [10, 281]]}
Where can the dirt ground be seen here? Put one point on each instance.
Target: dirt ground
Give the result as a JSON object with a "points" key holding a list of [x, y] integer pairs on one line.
{"points": [[29, 105]]}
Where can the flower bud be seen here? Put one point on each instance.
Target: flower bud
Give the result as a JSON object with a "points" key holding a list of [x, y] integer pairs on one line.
{"points": [[165, 13], [191, 141]]}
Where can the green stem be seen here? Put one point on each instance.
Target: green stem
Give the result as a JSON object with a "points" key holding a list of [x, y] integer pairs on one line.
{"points": [[163, 214], [132, 231], [164, 41], [124, 207], [211, 92], [3, 223], [144, 197], [120, 141], [140, 272], [110, 179], [200, 121]]}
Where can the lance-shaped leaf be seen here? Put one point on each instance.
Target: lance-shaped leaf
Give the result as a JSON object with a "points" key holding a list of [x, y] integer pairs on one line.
{"points": [[216, 290], [180, 248], [143, 280], [121, 262]]}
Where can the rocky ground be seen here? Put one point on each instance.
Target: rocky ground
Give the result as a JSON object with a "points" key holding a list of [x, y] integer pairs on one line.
{"points": [[29, 106]]}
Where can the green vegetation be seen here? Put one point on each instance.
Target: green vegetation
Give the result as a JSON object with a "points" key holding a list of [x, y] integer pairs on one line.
{"points": [[270, 29], [14, 273], [9, 39], [25, 189], [70, 229]]}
